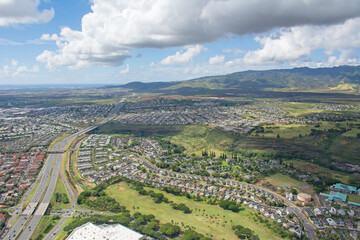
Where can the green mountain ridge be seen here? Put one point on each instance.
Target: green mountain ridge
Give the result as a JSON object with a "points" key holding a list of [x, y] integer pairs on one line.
{"points": [[342, 78]]}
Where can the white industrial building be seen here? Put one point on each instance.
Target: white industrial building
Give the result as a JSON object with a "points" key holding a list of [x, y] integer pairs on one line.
{"points": [[90, 231]]}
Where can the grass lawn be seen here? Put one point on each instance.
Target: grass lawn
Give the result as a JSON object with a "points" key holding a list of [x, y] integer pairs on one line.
{"points": [[284, 130], [43, 225], [59, 188], [220, 228], [353, 198], [296, 109], [281, 180]]}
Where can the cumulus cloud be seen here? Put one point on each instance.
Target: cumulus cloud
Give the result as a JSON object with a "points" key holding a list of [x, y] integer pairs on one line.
{"points": [[183, 57], [291, 44], [14, 69], [13, 12], [113, 28], [216, 59]]}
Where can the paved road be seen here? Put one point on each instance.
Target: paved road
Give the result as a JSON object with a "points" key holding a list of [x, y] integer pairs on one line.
{"points": [[47, 178]]}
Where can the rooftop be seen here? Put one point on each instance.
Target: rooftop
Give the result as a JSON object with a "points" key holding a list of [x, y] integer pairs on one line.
{"points": [[343, 187], [110, 232], [337, 196]]}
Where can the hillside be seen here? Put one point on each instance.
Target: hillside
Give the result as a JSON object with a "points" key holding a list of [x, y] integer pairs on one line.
{"points": [[336, 79]]}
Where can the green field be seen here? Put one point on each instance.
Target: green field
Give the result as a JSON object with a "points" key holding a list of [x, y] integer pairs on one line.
{"points": [[281, 180], [353, 198], [296, 109], [219, 227], [59, 188], [196, 138]]}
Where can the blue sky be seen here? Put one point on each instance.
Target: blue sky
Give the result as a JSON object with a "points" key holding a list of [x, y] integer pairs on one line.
{"points": [[114, 42]]}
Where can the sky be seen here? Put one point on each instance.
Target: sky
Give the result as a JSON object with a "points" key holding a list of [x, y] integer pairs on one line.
{"points": [[120, 41]]}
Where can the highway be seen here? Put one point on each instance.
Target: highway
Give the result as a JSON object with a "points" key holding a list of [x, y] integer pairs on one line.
{"points": [[47, 178]]}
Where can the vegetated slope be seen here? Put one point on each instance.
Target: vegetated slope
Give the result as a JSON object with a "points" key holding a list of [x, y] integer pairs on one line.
{"points": [[292, 79], [323, 148]]}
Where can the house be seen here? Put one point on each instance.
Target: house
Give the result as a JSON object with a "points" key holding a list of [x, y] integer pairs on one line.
{"points": [[317, 212], [331, 221]]}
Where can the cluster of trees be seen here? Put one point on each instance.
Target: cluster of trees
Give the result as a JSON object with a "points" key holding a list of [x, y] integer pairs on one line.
{"points": [[123, 219], [315, 132], [245, 233], [229, 205], [192, 235], [48, 227], [147, 224], [175, 167], [205, 153], [61, 197], [135, 143], [170, 229], [97, 199], [176, 192], [170, 147], [157, 197], [223, 156], [181, 207], [274, 226]]}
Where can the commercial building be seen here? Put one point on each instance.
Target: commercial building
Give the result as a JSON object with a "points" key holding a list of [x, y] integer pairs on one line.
{"points": [[110, 232]]}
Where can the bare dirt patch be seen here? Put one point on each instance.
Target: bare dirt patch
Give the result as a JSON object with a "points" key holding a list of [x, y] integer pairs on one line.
{"points": [[120, 188]]}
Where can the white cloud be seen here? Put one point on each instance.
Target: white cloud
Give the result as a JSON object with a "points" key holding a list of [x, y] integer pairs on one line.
{"points": [[14, 69], [113, 28], [288, 45], [14, 12], [126, 70], [216, 59], [235, 51], [183, 57], [7, 42]]}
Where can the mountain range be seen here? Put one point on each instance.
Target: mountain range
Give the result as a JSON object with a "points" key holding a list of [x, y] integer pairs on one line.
{"points": [[342, 79]]}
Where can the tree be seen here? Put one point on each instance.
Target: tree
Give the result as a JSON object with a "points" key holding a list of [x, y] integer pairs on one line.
{"points": [[170, 229]]}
